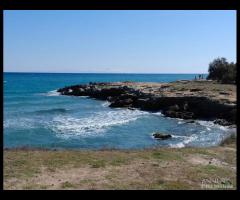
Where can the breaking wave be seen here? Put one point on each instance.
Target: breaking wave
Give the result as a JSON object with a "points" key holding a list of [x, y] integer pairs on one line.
{"points": [[94, 125], [52, 93], [106, 104], [187, 140]]}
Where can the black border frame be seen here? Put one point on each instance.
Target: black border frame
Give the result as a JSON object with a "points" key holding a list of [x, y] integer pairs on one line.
{"points": [[117, 5]]}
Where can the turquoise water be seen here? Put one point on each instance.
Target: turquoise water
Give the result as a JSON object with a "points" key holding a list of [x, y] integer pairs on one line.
{"points": [[35, 115]]}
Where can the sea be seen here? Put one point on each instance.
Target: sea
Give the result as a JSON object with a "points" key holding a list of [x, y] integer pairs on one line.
{"points": [[36, 116]]}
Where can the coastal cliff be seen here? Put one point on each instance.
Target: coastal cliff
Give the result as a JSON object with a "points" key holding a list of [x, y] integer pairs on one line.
{"points": [[184, 99]]}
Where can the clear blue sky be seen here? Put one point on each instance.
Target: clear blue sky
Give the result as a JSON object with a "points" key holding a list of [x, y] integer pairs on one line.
{"points": [[117, 41]]}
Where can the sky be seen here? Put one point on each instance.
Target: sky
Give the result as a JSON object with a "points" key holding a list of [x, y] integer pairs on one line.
{"points": [[117, 41]]}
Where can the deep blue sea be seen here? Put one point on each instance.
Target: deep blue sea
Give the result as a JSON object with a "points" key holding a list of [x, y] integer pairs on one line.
{"points": [[35, 115]]}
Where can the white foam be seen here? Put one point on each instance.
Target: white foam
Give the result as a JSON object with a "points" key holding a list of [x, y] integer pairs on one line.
{"points": [[94, 125], [106, 104], [210, 124], [157, 113], [184, 142], [179, 136], [224, 128], [53, 93], [180, 122], [205, 123], [22, 123]]}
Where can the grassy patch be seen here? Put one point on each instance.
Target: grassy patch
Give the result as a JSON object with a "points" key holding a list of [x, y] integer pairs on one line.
{"points": [[176, 185], [98, 163], [165, 155], [118, 161], [67, 184], [162, 168]]}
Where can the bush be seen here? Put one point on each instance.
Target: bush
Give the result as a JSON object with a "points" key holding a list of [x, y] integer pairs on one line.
{"points": [[222, 71]]}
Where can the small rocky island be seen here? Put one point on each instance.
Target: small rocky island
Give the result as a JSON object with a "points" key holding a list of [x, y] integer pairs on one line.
{"points": [[185, 99]]}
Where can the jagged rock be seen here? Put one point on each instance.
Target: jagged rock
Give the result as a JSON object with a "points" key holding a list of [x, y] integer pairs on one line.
{"points": [[127, 96], [146, 96], [121, 103], [224, 93], [182, 115], [161, 136], [195, 90], [174, 108], [222, 122]]}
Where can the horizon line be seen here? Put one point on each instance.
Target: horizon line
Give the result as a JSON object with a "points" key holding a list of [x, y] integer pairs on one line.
{"points": [[108, 72]]}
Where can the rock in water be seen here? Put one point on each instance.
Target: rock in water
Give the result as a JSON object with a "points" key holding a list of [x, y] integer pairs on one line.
{"points": [[222, 122], [189, 121], [161, 136]]}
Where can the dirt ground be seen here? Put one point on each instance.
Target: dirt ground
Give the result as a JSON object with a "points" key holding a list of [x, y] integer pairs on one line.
{"points": [[163, 168]]}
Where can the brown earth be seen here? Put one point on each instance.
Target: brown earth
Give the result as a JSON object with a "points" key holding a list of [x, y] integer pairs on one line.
{"points": [[163, 168]]}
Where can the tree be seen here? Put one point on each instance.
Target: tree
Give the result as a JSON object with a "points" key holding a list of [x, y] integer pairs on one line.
{"points": [[222, 71]]}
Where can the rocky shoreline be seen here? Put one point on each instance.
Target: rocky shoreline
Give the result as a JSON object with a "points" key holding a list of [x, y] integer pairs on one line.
{"points": [[183, 99]]}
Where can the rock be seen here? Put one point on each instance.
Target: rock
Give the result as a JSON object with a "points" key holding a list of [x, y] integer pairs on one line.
{"points": [[233, 126], [224, 93], [165, 86], [161, 136], [121, 103], [111, 99], [195, 90], [127, 96], [181, 115], [187, 115], [222, 122], [128, 101], [185, 105], [189, 121], [174, 108]]}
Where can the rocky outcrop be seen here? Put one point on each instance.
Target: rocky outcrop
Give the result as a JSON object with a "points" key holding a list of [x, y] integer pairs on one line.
{"points": [[185, 100], [161, 136], [222, 122]]}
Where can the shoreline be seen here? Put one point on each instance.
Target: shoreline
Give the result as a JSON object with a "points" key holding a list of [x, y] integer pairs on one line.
{"points": [[184, 99], [230, 137]]}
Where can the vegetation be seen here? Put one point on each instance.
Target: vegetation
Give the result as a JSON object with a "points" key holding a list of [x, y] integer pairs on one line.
{"points": [[163, 168], [222, 71]]}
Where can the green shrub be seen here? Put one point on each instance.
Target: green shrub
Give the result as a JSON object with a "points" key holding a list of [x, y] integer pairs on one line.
{"points": [[222, 71]]}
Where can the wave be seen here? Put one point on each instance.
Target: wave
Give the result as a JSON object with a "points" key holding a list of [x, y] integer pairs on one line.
{"points": [[52, 111], [210, 124], [52, 93], [106, 104], [186, 141], [157, 113], [19, 123], [93, 125]]}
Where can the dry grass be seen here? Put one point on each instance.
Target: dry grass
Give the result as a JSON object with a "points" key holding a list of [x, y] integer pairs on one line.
{"points": [[161, 168]]}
